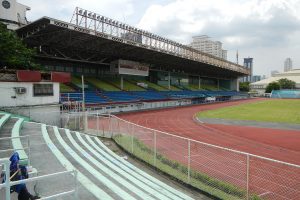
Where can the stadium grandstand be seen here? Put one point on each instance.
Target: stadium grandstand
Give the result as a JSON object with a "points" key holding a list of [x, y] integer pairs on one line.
{"points": [[119, 68]]}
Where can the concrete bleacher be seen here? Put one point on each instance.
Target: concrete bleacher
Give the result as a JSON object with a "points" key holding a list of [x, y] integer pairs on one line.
{"points": [[101, 97], [102, 85], [101, 173]]}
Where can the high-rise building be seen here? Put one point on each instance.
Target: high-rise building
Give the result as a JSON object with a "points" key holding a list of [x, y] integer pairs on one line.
{"points": [[13, 14], [204, 44], [288, 64], [248, 63]]}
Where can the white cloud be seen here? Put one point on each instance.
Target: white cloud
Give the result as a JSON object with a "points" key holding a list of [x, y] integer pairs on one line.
{"points": [[256, 27], [118, 9]]}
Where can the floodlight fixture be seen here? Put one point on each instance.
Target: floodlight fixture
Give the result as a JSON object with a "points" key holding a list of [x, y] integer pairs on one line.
{"points": [[80, 11]]}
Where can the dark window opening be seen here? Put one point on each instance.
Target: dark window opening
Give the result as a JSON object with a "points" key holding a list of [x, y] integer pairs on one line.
{"points": [[42, 90]]}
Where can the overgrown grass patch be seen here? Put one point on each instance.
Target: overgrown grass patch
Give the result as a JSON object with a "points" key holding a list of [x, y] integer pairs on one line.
{"points": [[210, 185]]}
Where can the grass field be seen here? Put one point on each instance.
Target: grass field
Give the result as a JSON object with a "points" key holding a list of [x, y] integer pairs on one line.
{"points": [[283, 111]]}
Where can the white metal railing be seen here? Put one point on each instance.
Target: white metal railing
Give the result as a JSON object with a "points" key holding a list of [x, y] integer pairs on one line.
{"points": [[257, 175], [7, 183]]}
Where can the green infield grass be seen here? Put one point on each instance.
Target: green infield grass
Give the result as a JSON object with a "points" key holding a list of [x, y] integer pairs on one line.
{"points": [[279, 110]]}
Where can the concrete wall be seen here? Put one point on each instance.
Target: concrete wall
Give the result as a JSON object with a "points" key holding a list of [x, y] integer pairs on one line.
{"points": [[9, 97]]}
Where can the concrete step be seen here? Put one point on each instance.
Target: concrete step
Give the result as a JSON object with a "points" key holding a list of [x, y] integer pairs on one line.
{"points": [[83, 193]]}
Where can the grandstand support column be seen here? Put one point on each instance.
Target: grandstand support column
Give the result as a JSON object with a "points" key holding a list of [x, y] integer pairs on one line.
{"points": [[122, 83], [235, 84], [199, 83], [169, 80], [218, 84]]}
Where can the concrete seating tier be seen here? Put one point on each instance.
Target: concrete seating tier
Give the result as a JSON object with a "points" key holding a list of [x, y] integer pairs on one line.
{"points": [[101, 174]]}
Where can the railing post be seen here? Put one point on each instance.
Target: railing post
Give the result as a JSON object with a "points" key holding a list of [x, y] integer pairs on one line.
{"points": [[132, 132], [248, 167], [7, 179], [189, 161], [29, 154], [109, 125], [76, 185], [155, 149], [97, 123]]}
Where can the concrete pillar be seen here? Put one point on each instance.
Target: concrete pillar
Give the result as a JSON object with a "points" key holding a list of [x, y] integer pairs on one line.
{"points": [[122, 83], [235, 84]]}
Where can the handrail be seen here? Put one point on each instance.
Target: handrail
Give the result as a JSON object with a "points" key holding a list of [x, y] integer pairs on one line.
{"points": [[7, 184], [5, 150], [23, 136], [12, 183]]}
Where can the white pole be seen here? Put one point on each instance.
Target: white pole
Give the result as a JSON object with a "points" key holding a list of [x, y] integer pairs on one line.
{"points": [[248, 163], [98, 130], [189, 160], [76, 185], [83, 96], [155, 149], [7, 179]]}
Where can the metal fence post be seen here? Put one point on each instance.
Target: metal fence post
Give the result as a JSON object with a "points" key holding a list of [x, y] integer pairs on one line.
{"points": [[29, 154], [7, 179], [109, 125], [155, 149], [189, 160], [248, 166], [97, 124], [132, 132], [76, 185]]}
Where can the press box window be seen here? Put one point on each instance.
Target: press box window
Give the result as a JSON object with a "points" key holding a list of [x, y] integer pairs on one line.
{"points": [[42, 90]]}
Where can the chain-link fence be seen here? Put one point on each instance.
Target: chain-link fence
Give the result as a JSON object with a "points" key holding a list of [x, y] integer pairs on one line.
{"points": [[222, 172]]}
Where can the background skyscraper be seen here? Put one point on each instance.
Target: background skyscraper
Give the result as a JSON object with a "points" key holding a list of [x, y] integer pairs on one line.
{"points": [[288, 64], [248, 63]]}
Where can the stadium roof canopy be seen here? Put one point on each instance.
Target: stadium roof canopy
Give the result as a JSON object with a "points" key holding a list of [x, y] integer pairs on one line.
{"points": [[67, 41]]}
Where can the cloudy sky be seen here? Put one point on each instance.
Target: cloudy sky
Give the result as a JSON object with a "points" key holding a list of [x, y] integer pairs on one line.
{"points": [[267, 30]]}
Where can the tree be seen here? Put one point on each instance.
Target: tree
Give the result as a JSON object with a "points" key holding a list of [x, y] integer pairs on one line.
{"points": [[286, 83], [244, 87], [272, 86], [13, 52]]}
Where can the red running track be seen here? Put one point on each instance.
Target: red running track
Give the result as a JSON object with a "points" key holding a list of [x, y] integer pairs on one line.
{"points": [[266, 177], [277, 144]]}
